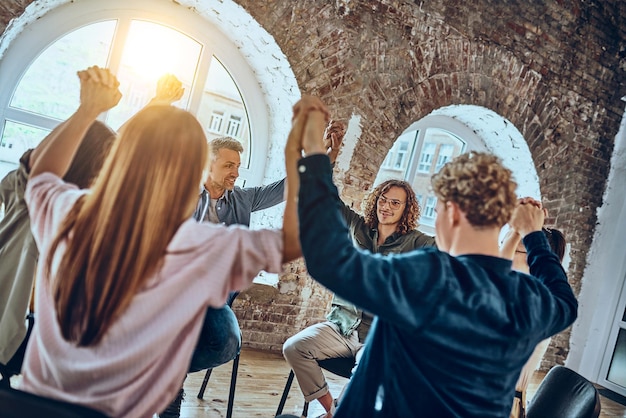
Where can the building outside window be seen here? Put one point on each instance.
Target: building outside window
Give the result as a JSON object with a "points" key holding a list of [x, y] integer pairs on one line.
{"points": [[216, 122], [426, 158], [234, 124], [401, 154], [428, 216], [446, 151]]}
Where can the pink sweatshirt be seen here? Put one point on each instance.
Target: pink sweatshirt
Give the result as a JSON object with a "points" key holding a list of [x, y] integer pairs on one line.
{"points": [[139, 365]]}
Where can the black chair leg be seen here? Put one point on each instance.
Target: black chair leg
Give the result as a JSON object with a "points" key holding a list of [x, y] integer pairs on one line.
{"points": [[5, 382], [283, 398], [204, 383], [305, 410], [233, 383]]}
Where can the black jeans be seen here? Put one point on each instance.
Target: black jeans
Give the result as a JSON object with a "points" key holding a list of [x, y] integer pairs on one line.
{"points": [[14, 366]]}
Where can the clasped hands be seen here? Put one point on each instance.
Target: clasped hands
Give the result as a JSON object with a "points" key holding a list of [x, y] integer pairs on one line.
{"points": [[309, 121], [99, 90], [528, 216]]}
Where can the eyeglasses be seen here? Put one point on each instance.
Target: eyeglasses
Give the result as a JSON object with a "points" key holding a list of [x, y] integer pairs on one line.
{"points": [[393, 203]]}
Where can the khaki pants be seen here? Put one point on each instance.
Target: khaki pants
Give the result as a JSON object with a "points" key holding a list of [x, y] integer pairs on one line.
{"points": [[318, 342]]}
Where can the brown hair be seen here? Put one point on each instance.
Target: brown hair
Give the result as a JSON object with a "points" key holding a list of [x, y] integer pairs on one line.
{"points": [[411, 214], [556, 240], [90, 155], [117, 235], [480, 185]]}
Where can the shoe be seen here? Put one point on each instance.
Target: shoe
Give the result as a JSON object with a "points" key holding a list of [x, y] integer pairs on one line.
{"points": [[173, 409]]}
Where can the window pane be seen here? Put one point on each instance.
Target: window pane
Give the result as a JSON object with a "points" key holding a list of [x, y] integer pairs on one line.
{"points": [[16, 139], [448, 145], [426, 157], [397, 160], [151, 51], [617, 369], [50, 86], [446, 151], [428, 211], [222, 111]]}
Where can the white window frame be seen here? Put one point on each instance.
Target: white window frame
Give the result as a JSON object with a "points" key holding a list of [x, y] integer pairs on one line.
{"points": [[24, 49]]}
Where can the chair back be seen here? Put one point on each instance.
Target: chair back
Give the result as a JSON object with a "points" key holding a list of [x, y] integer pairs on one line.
{"points": [[564, 393], [18, 404]]}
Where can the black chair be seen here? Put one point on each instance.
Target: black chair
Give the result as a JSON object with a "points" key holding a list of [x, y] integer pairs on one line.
{"points": [[233, 376], [18, 404], [341, 366], [564, 393]]}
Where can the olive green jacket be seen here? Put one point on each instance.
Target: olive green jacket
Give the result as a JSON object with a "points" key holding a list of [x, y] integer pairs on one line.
{"points": [[344, 314], [18, 258]]}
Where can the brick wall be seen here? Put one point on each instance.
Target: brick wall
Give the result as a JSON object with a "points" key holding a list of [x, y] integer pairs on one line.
{"points": [[555, 69]]}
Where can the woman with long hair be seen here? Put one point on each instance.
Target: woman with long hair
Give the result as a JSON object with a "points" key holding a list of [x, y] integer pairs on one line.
{"points": [[126, 273], [514, 249]]}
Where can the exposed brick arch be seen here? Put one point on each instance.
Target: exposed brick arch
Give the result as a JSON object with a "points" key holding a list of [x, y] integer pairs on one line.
{"points": [[554, 69]]}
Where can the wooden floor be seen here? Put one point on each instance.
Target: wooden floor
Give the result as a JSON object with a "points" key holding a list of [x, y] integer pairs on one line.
{"points": [[260, 382]]}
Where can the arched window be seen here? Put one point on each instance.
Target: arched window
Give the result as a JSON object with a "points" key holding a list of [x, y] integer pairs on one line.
{"points": [[426, 145], [139, 43]]}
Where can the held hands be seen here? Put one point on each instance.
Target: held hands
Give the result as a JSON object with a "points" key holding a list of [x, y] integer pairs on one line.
{"points": [[529, 216], [98, 90], [310, 117]]}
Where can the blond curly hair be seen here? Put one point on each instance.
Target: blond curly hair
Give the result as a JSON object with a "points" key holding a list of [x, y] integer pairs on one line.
{"points": [[480, 185]]}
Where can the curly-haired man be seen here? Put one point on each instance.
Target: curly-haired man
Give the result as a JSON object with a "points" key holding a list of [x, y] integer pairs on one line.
{"points": [[388, 225], [454, 325]]}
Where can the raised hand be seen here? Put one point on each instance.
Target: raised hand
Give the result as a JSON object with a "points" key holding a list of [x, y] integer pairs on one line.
{"points": [[316, 117], [98, 93], [99, 90], [169, 90], [333, 137], [529, 216]]}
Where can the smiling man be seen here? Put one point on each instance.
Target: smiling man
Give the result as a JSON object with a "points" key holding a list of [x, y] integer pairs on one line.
{"points": [[221, 201]]}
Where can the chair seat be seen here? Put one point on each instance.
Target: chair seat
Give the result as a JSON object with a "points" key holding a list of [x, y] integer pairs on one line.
{"points": [[18, 404], [564, 393], [341, 366]]}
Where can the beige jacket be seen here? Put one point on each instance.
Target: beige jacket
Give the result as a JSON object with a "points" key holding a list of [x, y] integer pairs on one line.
{"points": [[18, 257]]}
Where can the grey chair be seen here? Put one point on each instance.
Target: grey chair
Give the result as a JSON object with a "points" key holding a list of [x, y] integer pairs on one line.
{"points": [[564, 393], [341, 366]]}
